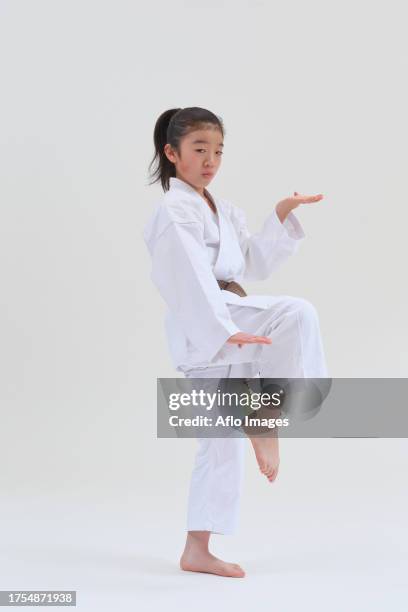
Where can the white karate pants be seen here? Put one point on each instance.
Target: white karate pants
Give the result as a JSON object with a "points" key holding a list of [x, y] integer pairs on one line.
{"points": [[296, 352]]}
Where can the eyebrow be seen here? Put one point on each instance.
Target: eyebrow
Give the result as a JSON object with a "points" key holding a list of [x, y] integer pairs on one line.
{"points": [[205, 142]]}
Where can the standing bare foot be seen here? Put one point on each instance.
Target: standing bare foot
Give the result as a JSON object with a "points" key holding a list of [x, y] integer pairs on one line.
{"points": [[197, 558], [207, 563], [267, 455]]}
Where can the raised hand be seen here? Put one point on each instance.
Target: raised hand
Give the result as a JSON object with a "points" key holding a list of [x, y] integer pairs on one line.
{"points": [[299, 198], [284, 207]]}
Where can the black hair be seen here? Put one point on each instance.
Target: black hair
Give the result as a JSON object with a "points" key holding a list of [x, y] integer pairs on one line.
{"points": [[170, 128]]}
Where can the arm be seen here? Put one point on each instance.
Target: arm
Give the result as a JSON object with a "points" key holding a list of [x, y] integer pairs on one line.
{"points": [[183, 275], [265, 250]]}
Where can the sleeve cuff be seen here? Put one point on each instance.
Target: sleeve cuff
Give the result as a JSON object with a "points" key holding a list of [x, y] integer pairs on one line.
{"points": [[230, 329], [291, 226]]}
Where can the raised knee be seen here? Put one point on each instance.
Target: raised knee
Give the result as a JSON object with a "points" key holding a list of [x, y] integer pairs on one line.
{"points": [[303, 308], [291, 311], [308, 308]]}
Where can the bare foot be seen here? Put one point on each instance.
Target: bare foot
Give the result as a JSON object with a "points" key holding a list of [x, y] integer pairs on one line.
{"points": [[204, 561], [267, 454]]}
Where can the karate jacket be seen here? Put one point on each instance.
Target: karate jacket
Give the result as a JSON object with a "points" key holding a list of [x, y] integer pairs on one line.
{"points": [[191, 248]]}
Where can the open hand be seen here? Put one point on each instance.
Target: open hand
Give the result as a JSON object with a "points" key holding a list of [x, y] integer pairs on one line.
{"points": [[242, 338], [284, 207], [299, 198]]}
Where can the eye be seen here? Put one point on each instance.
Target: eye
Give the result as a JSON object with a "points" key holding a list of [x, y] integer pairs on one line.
{"points": [[199, 151]]}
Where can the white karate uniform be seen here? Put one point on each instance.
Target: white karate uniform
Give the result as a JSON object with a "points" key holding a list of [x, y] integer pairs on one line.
{"points": [[191, 247]]}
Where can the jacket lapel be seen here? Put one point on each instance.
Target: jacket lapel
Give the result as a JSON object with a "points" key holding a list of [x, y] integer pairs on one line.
{"points": [[229, 259], [229, 254]]}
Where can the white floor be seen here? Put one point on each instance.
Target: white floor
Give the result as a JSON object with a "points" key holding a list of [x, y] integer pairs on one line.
{"points": [[337, 544]]}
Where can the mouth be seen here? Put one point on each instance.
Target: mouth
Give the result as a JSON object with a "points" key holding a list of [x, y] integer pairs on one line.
{"points": [[208, 174]]}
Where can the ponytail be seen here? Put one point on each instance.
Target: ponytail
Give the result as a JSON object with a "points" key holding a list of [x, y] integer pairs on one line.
{"points": [[170, 128]]}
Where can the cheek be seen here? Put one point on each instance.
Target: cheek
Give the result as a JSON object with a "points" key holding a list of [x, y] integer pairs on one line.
{"points": [[191, 164], [185, 167], [187, 162]]}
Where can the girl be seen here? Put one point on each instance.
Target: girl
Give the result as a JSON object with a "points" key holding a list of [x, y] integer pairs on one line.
{"points": [[201, 248]]}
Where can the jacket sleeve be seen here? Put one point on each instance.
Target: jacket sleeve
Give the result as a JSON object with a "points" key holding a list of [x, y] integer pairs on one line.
{"points": [[182, 273], [265, 250]]}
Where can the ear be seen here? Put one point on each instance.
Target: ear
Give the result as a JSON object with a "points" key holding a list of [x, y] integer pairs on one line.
{"points": [[169, 153]]}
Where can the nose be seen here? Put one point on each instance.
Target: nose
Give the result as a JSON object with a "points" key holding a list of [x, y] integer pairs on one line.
{"points": [[209, 163]]}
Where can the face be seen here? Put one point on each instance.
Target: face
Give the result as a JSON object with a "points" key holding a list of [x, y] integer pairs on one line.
{"points": [[200, 153]]}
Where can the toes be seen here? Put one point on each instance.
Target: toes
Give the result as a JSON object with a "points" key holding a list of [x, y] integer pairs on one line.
{"points": [[233, 570]]}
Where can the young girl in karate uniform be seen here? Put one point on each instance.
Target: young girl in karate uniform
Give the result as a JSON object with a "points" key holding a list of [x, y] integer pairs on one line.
{"points": [[201, 249]]}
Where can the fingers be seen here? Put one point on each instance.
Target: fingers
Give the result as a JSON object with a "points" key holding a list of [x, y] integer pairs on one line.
{"points": [[253, 340], [261, 340], [305, 199], [243, 338]]}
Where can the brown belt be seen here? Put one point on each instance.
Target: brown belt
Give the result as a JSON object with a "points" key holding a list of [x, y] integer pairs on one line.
{"points": [[232, 286]]}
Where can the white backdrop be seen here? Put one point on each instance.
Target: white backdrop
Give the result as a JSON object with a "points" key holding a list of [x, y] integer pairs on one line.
{"points": [[313, 101]]}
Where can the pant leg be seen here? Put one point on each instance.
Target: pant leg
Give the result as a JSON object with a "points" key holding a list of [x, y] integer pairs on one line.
{"points": [[217, 476], [293, 325], [297, 348], [296, 352]]}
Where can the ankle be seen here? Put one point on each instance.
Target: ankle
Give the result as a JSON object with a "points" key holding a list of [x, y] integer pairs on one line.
{"points": [[197, 541]]}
